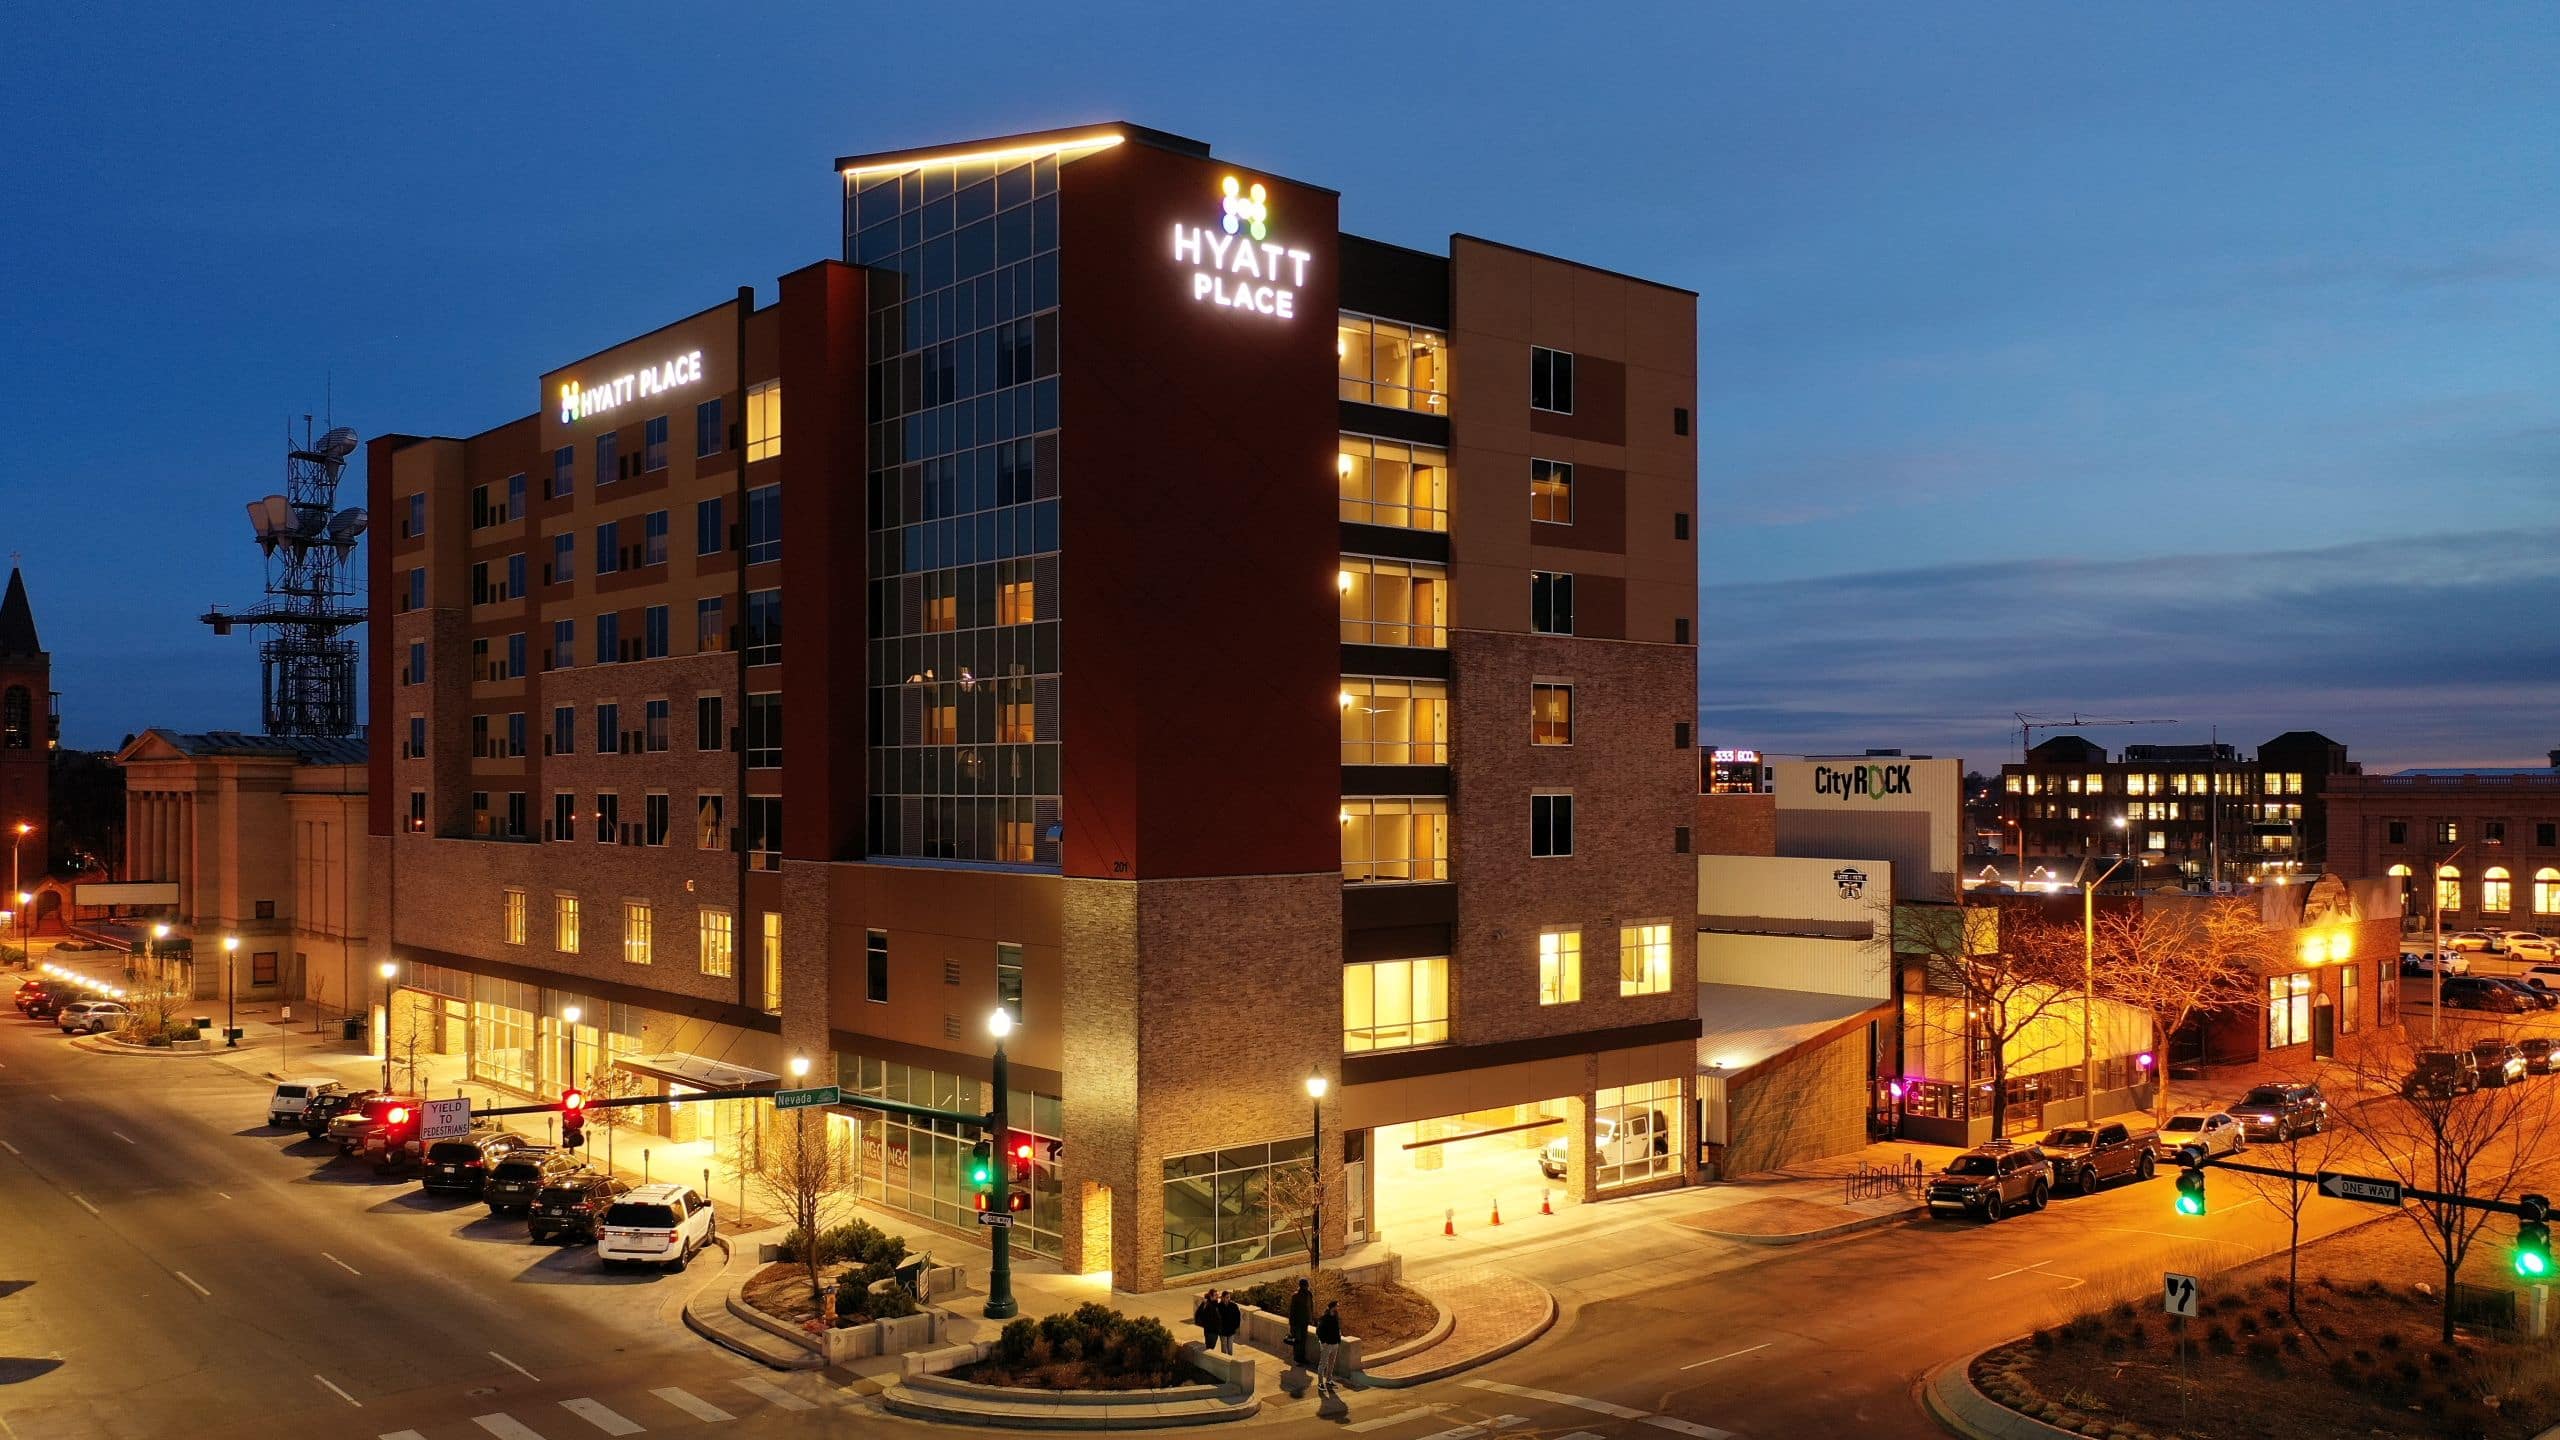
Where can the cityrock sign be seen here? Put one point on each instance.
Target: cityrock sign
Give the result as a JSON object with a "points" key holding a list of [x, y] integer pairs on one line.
{"points": [[578, 401], [1862, 782], [1234, 263]]}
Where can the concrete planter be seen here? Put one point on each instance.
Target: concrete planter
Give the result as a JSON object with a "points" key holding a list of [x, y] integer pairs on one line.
{"points": [[1236, 1380], [1267, 1331], [884, 1337]]}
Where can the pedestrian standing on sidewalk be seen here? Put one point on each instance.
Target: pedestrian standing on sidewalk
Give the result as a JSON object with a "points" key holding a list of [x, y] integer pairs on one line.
{"points": [[1302, 1313], [1328, 1345], [1230, 1320], [1205, 1315]]}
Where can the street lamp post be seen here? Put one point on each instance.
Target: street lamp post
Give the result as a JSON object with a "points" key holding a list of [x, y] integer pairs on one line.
{"points": [[569, 1016], [1315, 1207], [388, 969], [2089, 991], [17, 838], [230, 992], [1000, 1304], [2435, 962]]}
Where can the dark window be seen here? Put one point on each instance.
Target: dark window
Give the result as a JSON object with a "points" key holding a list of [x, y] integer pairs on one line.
{"points": [[1551, 602], [2546, 834], [515, 813], [515, 497], [710, 625], [609, 547], [1550, 824], [1009, 979], [653, 444], [266, 909], [262, 963], [1679, 419], [1680, 525], [876, 978], [1550, 379], [515, 656], [654, 811], [18, 719], [608, 729], [418, 588], [1680, 630], [764, 731], [1680, 839], [764, 524], [653, 543], [653, 724], [706, 724], [564, 558], [515, 734], [710, 437], [654, 632], [564, 471], [764, 627], [564, 815], [417, 810], [417, 663], [710, 532], [608, 637], [564, 644], [608, 458], [1679, 734], [417, 736], [416, 524], [2396, 832], [764, 831], [608, 816], [2493, 832], [564, 730]]}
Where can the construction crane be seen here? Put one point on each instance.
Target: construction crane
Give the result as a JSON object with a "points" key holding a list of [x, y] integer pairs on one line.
{"points": [[2027, 726]]}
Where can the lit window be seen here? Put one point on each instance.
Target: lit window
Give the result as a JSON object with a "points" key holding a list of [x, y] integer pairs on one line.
{"points": [[875, 954], [2448, 888], [1644, 960], [1635, 1132], [1393, 602], [1393, 1004], [1395, 841], [564, 924], [1550, 714], [772, 962], [1551, 492], [708, 831], [1016, 602], [2497, 891], [515, 917], [1394, 722], [635, 932], [1013, 840], [2288, 1010], [1550, 379], [764, 421], [2546, 891], [1388, 482], [719, 942], [1014, 721], [1559, 966], [1402, 367]]}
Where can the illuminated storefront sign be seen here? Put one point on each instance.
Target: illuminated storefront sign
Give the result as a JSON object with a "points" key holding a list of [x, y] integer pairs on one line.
{"points": [[577, 401], [1233, 263]]}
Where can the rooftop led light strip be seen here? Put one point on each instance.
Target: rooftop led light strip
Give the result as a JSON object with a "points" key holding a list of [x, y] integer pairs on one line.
{"points": [[973, 157]]}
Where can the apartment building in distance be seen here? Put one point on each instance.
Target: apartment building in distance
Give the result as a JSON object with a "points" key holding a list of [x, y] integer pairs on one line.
{"points": [[2489, 838], [1241, 650], [2181, 810]]}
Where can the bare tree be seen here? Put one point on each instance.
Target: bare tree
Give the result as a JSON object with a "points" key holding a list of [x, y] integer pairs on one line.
{"points": [[2177, 960], [2307, 1153], [799, 1163], [1290, 1191], [2491, 1143], [2005, 985]]}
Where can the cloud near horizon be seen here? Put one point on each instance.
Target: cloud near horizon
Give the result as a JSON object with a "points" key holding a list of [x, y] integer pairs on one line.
{"points": [[2435, 650]]}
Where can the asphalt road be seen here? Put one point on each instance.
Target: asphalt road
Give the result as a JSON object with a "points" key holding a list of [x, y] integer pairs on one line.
{"points": [[175, 1267]]}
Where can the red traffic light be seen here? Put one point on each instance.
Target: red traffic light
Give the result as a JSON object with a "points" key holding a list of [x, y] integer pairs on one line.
{"points": [[572, 1102], [1022, 1151], [399, 1115], [981, 1198]]}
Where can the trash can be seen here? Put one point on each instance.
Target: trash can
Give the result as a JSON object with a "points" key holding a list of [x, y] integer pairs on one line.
{"points": [[204, 1024], [351, 1029]]}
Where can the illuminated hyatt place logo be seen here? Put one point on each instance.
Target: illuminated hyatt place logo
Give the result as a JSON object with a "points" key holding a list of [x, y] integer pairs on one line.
{"points": [[578, 401], [1234, 262]]}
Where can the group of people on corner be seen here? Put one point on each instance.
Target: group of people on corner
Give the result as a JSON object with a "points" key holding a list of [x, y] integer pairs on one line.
{"points": [[1220, 1317]]}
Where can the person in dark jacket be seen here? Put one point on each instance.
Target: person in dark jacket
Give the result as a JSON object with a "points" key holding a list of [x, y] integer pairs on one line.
{"points": [[1205, 1315], [1328, 1345], [1230, 1320], [1302, 1313]]}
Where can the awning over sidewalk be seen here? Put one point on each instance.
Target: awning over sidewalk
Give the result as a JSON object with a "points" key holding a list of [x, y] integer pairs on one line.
{"points": [[697, 1072], [1746, 1026]]}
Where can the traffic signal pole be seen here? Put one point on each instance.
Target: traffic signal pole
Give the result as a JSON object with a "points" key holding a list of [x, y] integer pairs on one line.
{"points": [[2532, 1259]]}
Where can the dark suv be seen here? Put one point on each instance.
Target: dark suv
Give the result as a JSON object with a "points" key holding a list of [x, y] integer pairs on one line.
{"points": [[1991, 1180], [329, 1106], [2441, 1075], [569, 1204], [2280, 1113], [461, 1167], [2475, 992], [517, 1180]]}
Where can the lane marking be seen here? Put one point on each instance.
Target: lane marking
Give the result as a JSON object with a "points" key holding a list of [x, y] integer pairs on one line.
{"points": [[85, 1205], [1410, 1412], [504, 1426], [414, 1435], [1597, 1407], [1694, 1364], [758, 1385], [343, 1395], [510, 1364], [217, 1192], [1579, 1435], [2021, 1270], [121, 1136], [1463, 1432], [594, 1413], [5, 1145], [191, 1282], [341, 1264], [692, 1404], [1684, 1427]]}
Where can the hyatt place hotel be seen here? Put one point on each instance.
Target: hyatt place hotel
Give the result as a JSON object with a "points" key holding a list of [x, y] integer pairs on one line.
{"points": [[1243, 650]]}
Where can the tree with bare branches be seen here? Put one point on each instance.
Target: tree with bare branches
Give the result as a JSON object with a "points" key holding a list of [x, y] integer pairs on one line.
{"points": [[800, 1164], [2177, 959], [2492, 1143], [2306, 1153], [2005, 987]]}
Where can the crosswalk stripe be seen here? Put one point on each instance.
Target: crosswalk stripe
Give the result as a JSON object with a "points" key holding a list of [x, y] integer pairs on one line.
{"points": [[1463, 1432], [1579, 1435], [758, 1385], [1410, 1412], [595, 1413], [692, 1404], [404, 1435], [1684, 1427], [1599, 1407], [505, 1427]]}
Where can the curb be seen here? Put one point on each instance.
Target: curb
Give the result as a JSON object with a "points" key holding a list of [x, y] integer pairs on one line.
{"points": [[96, 1045], [736, 1345], [1443, 1372], [1806, 1237], [1947, 1395], [1438, 1332], [1050, 1415]]}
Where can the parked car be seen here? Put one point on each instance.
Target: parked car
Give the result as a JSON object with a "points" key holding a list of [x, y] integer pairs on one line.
{"points": [[2475, 992], [2215, 1130], [320, 1111], [1992, 1180], [2278, 1113], [89, 1017], [2451, 962], [2536, 997], [2500, 1062], [461, 1167], [293, 1097], [2523, 945], [46, 1004], [28, 990], [354, 1125], [2085, 1159], [655, 1225], [1645, 1135], [2441, 1075], [517, 1181], [2541, 1054], [567, 1206], [2471, 940]]}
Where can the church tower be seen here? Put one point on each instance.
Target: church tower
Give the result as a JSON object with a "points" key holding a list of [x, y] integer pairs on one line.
{"points": [[28, 731]]}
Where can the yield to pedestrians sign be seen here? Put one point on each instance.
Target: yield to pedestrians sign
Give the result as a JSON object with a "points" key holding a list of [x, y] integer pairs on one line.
{"points": [[2179, 1294], [445, 1120]]}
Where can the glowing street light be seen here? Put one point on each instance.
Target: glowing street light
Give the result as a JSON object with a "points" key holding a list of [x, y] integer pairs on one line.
{"points": [[1315, 1208], [1000, 1303], [387, 969]]}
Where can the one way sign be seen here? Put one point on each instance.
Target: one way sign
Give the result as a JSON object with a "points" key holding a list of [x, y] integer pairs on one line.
{"points": [[2366, 1188], [2179, 1294]]}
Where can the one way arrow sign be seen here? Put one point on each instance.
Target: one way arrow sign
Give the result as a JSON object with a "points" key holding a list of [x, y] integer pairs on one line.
{"points": [[2359, 1187]]}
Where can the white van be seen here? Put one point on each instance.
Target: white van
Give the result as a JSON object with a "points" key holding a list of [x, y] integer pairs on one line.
{"points": [[292, 1097], [1646, 1134], [654, 1225]]}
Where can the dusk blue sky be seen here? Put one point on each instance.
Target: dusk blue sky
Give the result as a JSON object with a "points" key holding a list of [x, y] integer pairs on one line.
{"points": [[2182, 361]]}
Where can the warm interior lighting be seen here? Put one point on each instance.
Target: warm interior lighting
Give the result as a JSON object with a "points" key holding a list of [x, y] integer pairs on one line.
{"points": [[972, 157], [1342, 579], [1342, 464], [1347, 698]]}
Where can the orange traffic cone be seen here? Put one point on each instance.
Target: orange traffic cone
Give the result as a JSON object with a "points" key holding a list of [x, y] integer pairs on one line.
{"points": [[1497, 1210], [1449, 1223], [1543, 1207]]}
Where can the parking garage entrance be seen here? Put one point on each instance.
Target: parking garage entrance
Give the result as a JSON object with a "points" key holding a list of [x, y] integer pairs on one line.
{"points": [[1424, 1170]]}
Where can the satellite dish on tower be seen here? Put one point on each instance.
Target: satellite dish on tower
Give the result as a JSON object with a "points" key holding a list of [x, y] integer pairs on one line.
{"points": [[338, 444], [346, 525]]}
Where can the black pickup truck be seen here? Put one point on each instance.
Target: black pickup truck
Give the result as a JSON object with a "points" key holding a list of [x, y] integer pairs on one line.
{"points": [[2085, 1159]]}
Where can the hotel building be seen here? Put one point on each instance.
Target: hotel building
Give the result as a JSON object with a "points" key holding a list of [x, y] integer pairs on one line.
{"points": [[1242, 649]]}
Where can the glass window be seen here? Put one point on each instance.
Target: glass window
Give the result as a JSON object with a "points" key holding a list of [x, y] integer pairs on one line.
{"points": [[635, 932], [564, 644], [418, 588], [416, 523], [1403, 367], [653, 724], [1551, 492], [564, 471], [1551, 602], [710, 527], [710, 435], [707, 731], [657, 818], [1234, 1207], [763, 638], [1017, 602], [2288, 1010], [1550, 713], [764, 832], [564, 924], [764, 421], [1559, 966], [2546, 891], [515, 577], [609, 729], [1393, 1004], [710, 625], [875, 977], [1635, 1132], [772, 962], [609, 547], [719, 942], [514, 917], [2350, 991], [1551, 824], [1395, 841], [764, 524], [654, 639], [709, 832], [764, 731], [1550, 379], [564, 815], [1388, 482], [515, 497], [653, 544], [653, 444], [608, 817], [2497, 890], [1644, 959], [2448, 888], [1009, 979], [564, 558], [608, 458], [417, 737], [1393, 602], [417, 672], [1394, 722]]}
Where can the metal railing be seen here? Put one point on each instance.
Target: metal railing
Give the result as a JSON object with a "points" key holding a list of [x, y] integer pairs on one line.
{"points": [[1875, 1181]]}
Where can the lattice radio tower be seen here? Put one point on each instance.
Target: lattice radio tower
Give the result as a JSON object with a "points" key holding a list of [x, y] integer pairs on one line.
{"points": [[307, 660]]}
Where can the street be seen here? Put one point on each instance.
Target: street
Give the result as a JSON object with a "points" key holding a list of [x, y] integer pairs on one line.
{"points": [[198, 1271]]}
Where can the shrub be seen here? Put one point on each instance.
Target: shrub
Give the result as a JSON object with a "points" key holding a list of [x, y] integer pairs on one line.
{"points": [[2328, 1331], [2045, 1339], [2407, 1370], [1063, 1336], [2363, 1359], [2263, 1351], [2389, 1340], [2272, 1315], [2441, 1357], [1013, 1346], [2248, 1324], [2217, 1338], [892, 1302], [2122, 1310], [1145, 1345], [2346, 1372]]}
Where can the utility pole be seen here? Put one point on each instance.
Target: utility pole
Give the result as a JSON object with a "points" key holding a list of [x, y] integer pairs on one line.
{"points": [[2435, 961], [2089, 991]]}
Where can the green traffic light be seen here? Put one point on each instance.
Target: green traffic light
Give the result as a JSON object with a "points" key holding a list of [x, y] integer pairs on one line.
{"points": [[2190, 1204], [2531, 1264]]}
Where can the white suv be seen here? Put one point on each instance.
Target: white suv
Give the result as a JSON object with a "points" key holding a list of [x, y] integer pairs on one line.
{"points": [[293, 1097], [91, 1016], [655, 1225]]}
